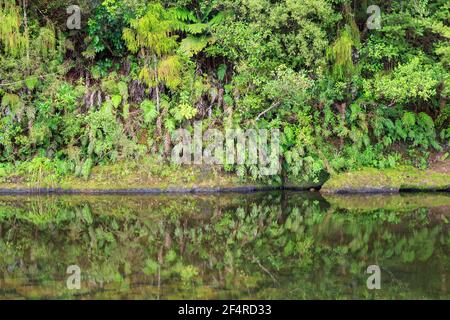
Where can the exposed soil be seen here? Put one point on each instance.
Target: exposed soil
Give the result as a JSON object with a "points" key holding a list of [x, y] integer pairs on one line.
{"points": [[441, 166]]}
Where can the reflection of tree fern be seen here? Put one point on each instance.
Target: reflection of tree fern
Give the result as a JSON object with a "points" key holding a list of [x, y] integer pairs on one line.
{"points": [[188, 241]]}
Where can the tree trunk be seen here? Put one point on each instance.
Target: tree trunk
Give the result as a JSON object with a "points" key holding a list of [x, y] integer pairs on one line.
{"points": [[25, 24], [342, 107], [155, 60], [157, 94], [442, 99]]}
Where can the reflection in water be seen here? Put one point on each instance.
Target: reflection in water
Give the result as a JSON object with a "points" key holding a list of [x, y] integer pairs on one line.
{"points": [[263, 246]]}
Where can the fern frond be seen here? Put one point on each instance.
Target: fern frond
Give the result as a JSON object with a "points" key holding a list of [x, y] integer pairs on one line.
{"points": [[197, 28], [218, 18], [192, 45], [169, 70], [183, 14]]}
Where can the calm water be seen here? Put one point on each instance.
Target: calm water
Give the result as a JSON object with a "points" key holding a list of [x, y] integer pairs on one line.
{"points": [[263, 246]]}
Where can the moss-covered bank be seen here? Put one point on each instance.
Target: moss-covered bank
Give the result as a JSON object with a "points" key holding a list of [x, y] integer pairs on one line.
{"points": [[157, 177], [131, 177], [405, 202], [404, 178]]}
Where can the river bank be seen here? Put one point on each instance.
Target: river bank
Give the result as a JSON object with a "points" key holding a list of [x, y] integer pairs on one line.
{"points": [[405, 178], [154, 178]]}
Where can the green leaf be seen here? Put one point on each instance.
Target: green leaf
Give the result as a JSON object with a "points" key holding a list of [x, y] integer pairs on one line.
{"points": [[221, 71], [123, 89], [116, 100], [197, 28], [31, 82], [192, 45], [409, 119], [151, 267], [149, 109]]}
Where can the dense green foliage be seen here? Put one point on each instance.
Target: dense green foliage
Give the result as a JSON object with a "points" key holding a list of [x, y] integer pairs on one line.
{"points": [[344, 96]]}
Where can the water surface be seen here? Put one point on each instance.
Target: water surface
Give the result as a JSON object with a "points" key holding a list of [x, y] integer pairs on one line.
{"points": [[231, 246]]}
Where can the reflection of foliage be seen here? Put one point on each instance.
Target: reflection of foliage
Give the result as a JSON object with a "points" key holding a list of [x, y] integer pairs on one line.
{"points": [[263, 246]]}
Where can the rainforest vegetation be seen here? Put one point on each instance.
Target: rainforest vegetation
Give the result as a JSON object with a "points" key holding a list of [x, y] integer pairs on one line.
{"points": [[344, 96]]}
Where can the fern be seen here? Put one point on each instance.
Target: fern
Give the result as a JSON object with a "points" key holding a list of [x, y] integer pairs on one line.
{"points": [[409, 119], [12, 101], [14, 36], [169, 70], [221, 71], [31, 82], [197, 28], [149, 110], [340, 54], [191, 45], [14, 41], [218, 18], [183, 14]]}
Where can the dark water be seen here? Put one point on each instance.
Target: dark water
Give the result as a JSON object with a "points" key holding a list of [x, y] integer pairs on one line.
{"points": [[263, 246]]}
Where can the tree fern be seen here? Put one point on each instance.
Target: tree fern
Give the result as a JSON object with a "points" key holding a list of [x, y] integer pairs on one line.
{"points": [[183, 14], [156, 36], [192, 45], [169, 71], [14, 104], [340, 54], [14, 35], [14, 41], [46, 41], [197, 28]]}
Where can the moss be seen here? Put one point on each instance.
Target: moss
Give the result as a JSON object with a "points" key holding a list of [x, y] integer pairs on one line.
{"points": [[392, 202], [149, 175], [155, 175], [387, 180], [306, 184]]}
